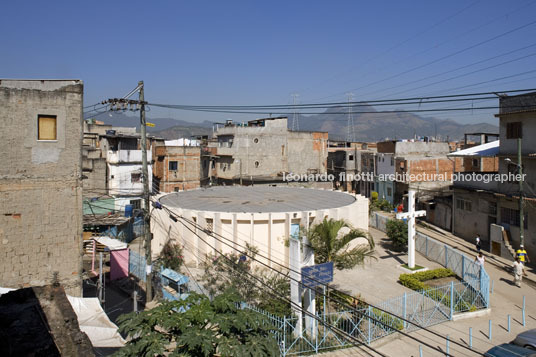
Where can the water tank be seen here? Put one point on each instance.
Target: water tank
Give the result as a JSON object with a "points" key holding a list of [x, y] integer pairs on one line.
{"points": [[128, 210]]}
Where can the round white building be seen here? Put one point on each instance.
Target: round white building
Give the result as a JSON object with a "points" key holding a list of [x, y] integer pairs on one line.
{"points": [[258, 215]]}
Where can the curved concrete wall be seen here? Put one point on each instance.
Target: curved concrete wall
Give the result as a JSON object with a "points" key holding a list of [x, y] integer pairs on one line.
{"points": [[266, 231]]}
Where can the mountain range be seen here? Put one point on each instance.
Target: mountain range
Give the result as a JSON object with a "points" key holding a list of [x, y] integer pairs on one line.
{"points": [[369, 126]]}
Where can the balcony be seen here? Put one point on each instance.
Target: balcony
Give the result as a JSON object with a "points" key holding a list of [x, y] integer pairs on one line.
{"points": [[126, 156]]}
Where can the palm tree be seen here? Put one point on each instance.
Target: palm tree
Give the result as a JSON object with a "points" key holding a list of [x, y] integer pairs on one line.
{"points": [[329, 245]]}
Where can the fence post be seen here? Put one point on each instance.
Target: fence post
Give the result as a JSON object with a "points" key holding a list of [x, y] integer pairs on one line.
{"points": [[523, 310], [446, 256], [405, 311], [448, 346], [451, 300], [489, 330], [369, 327], [470, 337], [508, 323], [463, 266], [284, 335]]}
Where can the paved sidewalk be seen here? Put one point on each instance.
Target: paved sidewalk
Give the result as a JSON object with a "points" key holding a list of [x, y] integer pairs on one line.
{"points": [[469, 248], [506, 299]]}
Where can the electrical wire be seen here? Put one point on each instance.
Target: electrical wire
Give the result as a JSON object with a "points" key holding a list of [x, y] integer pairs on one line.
{"points": [[313, 279]]}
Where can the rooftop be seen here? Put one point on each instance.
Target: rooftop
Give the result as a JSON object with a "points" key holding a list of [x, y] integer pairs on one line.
{"points": [[484, 150], [257, 199]]}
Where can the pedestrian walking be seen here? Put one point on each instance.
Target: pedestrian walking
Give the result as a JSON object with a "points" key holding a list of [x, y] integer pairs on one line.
{"points": [[519, 271], [479, 259], [478, 243], [521, 253]]}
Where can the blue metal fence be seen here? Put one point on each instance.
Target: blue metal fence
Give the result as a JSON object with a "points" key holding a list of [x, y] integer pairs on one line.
{"points": [[420, 309], [136, 265], [473, 275]]}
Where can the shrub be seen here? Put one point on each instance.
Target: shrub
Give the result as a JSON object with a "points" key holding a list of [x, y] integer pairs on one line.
{"points": [[397, 231], [374, 196], [172, 256], [388, 319]]}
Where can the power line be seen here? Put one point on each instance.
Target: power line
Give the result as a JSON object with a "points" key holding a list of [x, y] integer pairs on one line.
{"points": [[213, 234]]}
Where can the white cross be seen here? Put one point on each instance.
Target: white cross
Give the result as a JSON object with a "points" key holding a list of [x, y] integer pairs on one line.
{"points": [[411, 214]]}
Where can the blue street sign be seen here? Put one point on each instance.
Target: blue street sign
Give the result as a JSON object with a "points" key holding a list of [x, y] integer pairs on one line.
{"points": [[314, 275]]}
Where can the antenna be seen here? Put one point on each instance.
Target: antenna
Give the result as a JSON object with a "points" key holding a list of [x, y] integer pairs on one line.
{"points": [[350, 133], [295, 116]]}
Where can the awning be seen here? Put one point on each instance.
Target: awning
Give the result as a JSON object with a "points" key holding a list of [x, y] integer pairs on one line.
{"points": [[485, 150], [95, 323]]}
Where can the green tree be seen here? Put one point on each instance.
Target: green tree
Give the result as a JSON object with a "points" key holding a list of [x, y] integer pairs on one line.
{"points": [[197, 326], [172, 256], [330, 246], [235, 270], [397, 231]]}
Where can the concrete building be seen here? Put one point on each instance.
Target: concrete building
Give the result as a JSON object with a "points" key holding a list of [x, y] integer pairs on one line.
{"points": [[178, 167], [112, 164], [263, 150], [419, 165], [257, 215], [40, 183], [486, 206], [345, 163]]}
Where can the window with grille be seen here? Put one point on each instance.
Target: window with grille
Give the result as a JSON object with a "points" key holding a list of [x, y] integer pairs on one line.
{"points": [[514, 130], [173, 166], [511, 216]]}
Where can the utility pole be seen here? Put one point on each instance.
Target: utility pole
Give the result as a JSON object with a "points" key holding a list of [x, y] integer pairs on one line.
{"points": [[147, 203], [295, 118], [350, 134], [521, 213]]}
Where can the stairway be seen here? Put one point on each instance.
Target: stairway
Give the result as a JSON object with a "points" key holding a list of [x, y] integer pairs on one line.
{"points": [[507, 243]]}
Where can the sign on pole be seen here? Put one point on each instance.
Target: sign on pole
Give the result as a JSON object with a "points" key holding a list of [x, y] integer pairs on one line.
{"points": [[319, 274]]}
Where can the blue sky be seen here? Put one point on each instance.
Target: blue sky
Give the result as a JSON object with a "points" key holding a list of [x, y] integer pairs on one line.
{"points": [[253, 52]]}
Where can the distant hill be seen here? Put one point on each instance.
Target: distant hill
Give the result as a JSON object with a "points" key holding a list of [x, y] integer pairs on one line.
{"points": [[379, 126], [167, 128], [368, 126]]}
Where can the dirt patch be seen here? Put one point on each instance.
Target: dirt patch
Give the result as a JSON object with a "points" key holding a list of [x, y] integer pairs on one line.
{"points": [[434, 283]]}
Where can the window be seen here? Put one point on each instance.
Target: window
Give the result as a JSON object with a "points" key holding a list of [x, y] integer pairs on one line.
{"points": [[136, 204], [511, 216], [389, 191], [256, 140], [513, 130], [462, 204], [351, 158], [256, 164], [173, 166], [392, 161], [475, 162], [46, 127], [135, 177]]}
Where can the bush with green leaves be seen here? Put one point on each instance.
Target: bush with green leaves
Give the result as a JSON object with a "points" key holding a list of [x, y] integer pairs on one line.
{"points": [[417, 282], [197, 326], [236, 269], [172, 256], [397, 231]]}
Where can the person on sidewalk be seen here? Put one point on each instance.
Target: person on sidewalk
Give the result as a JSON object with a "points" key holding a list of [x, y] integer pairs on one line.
{"points": [[478, 243], [519, 271], [479, 259], [521, 253]]}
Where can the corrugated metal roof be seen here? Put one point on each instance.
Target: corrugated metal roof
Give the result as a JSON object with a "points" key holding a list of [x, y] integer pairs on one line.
{"points": [[485, 150]]}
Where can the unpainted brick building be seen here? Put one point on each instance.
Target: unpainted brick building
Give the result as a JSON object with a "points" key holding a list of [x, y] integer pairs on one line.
{"points": [[40, 183]]}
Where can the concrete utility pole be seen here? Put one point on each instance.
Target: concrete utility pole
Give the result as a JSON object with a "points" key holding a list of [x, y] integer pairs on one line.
{"points": [[147, 203], [521, 213]]}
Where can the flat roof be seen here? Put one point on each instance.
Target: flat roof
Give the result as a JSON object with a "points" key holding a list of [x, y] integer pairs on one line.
{"points": [[257, 199]]}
